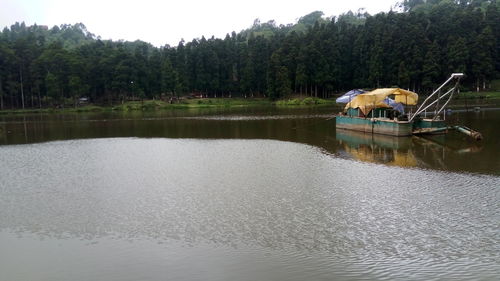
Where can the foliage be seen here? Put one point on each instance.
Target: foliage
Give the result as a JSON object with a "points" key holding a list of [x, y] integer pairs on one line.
{"points": [[416, 48]]}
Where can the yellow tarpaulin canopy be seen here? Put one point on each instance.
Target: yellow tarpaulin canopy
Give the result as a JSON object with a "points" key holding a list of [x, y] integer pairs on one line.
{"points": [[375, 99]]}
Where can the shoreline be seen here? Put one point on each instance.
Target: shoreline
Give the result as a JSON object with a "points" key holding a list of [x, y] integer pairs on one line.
{"points": [[186, 104], [207, 103]]}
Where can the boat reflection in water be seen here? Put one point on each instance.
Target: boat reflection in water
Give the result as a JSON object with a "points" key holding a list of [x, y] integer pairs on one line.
{"points": [[377, 148], [399, 151]]}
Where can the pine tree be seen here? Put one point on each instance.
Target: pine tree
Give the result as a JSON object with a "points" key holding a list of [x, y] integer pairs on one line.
{"points": [[458, 54], [431, 70], [483, 66]]}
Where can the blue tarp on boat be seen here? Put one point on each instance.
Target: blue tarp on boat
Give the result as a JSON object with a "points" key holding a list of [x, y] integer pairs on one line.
{"points": [[395, 105], [347, 97]]}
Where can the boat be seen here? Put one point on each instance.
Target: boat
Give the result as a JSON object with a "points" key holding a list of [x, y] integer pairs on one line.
{"points": [[382, 111], [376, 112]]}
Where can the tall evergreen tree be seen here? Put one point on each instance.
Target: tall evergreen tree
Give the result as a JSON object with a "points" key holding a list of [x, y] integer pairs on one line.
{"points": [[431, 70], [414, 49], [483, 65]]}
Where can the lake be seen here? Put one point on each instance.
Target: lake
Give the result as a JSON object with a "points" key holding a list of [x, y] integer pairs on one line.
{"points": [[244, 194]]}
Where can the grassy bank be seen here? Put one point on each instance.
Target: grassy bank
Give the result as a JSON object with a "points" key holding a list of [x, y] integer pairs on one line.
{"points": [[154, 105], [309, 101], [479, 95], [86, 108], [476, 99], [470, 98], [151, 105]]}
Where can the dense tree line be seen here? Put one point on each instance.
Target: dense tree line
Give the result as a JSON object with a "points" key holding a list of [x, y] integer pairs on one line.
{"points": [[415, 48]]}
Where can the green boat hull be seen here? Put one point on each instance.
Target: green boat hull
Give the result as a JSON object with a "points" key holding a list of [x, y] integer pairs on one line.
{"points": [[429, 126], [383, 126]]}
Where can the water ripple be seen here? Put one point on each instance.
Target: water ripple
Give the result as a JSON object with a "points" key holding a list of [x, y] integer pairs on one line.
{"points": [[316, 214]]}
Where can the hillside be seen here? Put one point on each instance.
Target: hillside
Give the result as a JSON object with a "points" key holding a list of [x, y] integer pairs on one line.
{"points": [[415, 47]]}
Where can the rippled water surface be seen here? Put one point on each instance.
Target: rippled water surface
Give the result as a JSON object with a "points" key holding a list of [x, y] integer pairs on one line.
{"points": [[205, 204]]}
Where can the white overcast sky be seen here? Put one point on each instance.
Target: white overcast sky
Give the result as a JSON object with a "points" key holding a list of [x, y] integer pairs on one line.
{"points": [[166, 22]]}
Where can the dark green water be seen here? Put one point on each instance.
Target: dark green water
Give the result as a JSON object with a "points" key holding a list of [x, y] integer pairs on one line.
{"points": [[451, 152], [244, 194]]}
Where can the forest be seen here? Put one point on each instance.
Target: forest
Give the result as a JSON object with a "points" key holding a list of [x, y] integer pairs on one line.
{"points": [[415, 46]]}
